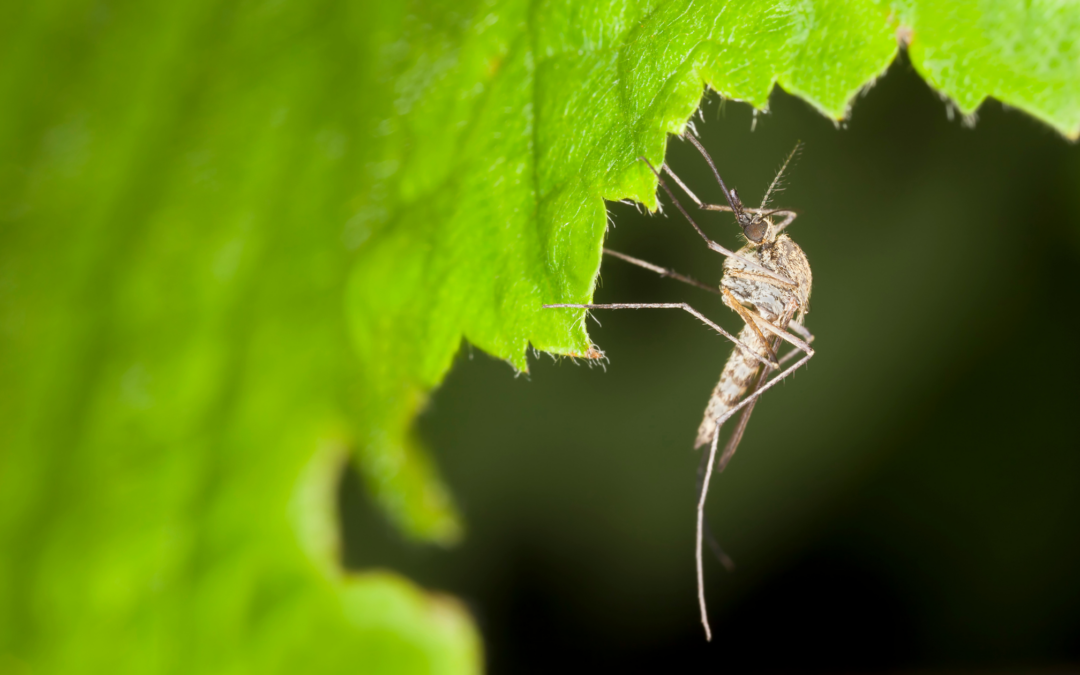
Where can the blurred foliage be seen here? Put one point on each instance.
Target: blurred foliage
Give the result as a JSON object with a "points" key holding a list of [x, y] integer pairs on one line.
{"points": [[240, 242]]}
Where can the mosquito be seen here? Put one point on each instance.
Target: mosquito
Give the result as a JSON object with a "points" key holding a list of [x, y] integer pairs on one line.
{"points": [[767, 283]]}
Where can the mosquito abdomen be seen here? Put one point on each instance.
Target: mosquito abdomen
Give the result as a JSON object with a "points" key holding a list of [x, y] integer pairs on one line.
{"points": [[735, 379]]}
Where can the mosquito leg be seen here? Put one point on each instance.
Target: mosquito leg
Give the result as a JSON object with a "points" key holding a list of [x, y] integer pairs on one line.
{"points": [[740, 428], [708, 160], [700, 536], [750, 398], [710, 539], [782, 334], [729, 451], [760, 386], [795, 326], [788, 217], [675, 305], [685, 189], [801, 330], [792, 354], [757, 322], [748, 319], [806, 335], [663, 271]]}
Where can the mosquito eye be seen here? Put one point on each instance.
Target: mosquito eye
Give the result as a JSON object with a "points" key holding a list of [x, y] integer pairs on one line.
{"points": [[755, 231]]}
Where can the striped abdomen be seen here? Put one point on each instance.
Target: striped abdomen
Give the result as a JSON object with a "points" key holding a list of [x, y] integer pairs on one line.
{"points": [[738, 374]]}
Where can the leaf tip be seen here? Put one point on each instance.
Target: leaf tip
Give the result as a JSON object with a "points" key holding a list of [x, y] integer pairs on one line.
{"points": [[905, 35], [592, 353]]}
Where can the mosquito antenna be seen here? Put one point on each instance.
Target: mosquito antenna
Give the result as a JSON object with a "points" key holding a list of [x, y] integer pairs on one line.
{"points": [[735, 204], [776, 181]]}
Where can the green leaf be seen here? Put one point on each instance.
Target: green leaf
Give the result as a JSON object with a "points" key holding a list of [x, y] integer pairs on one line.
{"points": [[177, 385], [239, 244], [1026, 54], [512, 124]]}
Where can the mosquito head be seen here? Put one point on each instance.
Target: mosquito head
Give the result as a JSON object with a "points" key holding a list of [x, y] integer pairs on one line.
{"points": [[754, 226]]}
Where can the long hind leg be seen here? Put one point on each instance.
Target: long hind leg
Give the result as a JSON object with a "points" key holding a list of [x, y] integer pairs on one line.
{"points": [[771, 365], [747, 407]]}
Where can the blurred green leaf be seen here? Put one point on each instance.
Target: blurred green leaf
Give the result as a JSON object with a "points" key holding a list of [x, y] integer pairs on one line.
{"points": [[241, 242]]}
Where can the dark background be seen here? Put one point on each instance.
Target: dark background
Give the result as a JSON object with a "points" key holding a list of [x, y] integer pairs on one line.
{"points": [[911, 500]]}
